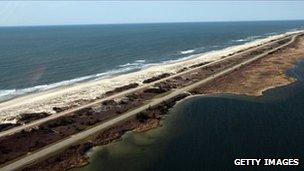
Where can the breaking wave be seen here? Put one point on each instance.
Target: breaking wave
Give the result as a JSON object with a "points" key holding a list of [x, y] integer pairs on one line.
{"points": [[248, 39], [187, 51]]}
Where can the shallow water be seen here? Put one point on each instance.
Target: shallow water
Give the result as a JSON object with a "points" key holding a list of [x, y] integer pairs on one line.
{"points": [[208, 133]]}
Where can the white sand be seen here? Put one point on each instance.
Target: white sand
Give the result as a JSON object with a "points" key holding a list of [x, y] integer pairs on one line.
{"points": [[66, 96]]}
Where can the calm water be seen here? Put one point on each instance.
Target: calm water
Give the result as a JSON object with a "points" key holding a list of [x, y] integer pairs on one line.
{"points": [[208, 133], [39, 58]]}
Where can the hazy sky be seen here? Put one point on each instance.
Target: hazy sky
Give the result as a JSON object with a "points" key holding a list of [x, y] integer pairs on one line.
{"points": [[101, 12]]}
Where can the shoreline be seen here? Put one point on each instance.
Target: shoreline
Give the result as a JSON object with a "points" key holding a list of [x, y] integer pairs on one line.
{"points": [[152, 125], [66, 96], [252, 82], [95, 153], [148, 120], [148, 117], [80, 151], [157, 123]]}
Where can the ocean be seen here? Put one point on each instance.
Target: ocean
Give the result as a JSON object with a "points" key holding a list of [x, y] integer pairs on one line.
{"points": [[37, 58], [209, 133]]}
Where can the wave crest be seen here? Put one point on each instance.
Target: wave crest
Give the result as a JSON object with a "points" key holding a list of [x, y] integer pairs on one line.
{"points": [[187, 51]]}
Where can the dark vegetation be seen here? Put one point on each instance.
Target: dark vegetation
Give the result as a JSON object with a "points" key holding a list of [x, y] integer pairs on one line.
{"points": [[153, 79], [75, 156], [122, 88]]}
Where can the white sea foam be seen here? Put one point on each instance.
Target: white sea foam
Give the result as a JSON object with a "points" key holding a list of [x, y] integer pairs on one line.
{"points": [[239, 40], [135, 63], [67, 95], [178, 60], [271, 34], [248, 39], [187, 51], [140, 61], [4, 93]]}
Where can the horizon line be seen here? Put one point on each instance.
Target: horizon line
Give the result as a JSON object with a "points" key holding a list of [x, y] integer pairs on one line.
{"points": [[90, 24]]}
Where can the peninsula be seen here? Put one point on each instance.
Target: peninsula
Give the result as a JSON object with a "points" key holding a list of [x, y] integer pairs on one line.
{"points": [[41, 134]]}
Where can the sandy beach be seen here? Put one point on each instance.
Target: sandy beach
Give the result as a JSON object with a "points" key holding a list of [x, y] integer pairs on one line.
{"points": [[73, 95]]}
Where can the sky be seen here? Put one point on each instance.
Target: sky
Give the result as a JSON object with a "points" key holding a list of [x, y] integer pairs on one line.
{"points": [[19, 13]]}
